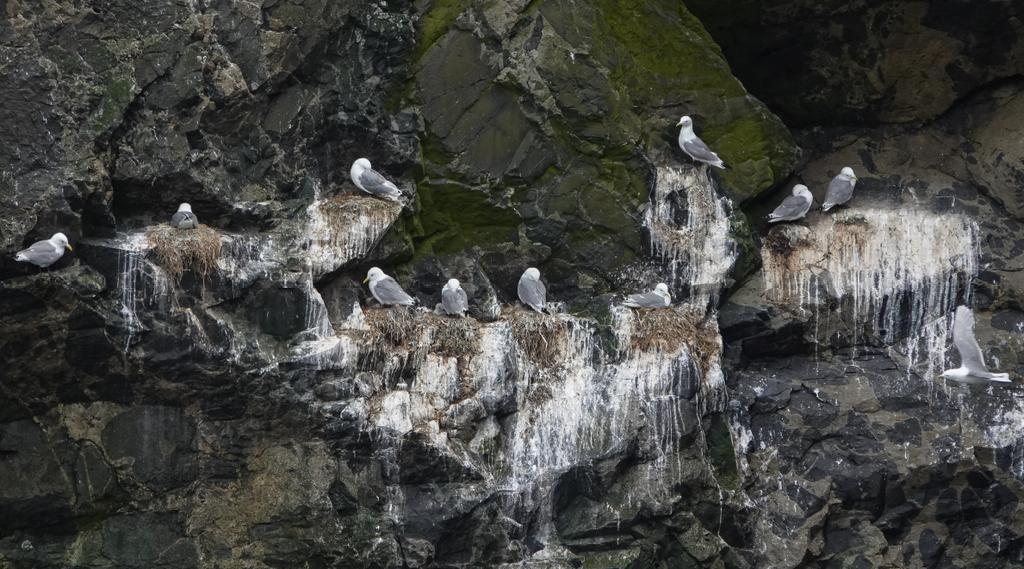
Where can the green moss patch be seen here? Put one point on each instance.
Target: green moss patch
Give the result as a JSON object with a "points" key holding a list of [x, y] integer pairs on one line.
{"points": [[453, 218]]}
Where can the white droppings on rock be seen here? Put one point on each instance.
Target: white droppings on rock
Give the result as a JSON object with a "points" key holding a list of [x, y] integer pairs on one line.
{"points": [[692, 237], [891, 274]]}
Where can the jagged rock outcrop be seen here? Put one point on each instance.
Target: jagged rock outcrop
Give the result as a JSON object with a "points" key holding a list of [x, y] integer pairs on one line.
{"points": [[865, 63], [256, 409]]}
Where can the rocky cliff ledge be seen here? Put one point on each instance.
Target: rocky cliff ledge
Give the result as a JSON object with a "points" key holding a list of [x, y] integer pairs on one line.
{"points": [[251, 406]]}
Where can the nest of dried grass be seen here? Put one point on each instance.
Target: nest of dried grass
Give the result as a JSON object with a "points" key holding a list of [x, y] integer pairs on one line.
{"points": [[667, 330], [180, 250], [344, 210], [454, 337], [541, 337], [397, 325]]}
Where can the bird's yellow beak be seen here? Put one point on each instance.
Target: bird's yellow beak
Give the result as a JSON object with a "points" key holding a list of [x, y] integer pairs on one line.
{"points": [[69, 247], [366, 280]]}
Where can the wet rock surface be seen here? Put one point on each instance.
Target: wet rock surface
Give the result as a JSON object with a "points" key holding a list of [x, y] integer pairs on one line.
{"points": [[264, 411]]}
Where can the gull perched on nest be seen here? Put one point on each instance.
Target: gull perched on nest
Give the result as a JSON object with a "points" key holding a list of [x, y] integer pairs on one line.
{"points": [[972, 368], [658, 298], [184, 218], [370, 181], [386, 289], [840, 189], [793, 207], [694, 147], [453, 299], [531, 290], [45, 253]]}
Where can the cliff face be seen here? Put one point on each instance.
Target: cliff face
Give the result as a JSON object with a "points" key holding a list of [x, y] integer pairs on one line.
{"points": [[253, 408]]}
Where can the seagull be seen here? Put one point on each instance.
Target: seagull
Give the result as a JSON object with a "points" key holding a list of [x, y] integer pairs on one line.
{"points": [[531, 290], [184, 218], [840, 189], [45, 253], [972, 368], [658, 298], [367, 179], [694, 147], [794, 207], [453, 299], [386, 289]]}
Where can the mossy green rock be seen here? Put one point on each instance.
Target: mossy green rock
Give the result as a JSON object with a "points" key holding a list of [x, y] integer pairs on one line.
{"points": [[550, 113]]}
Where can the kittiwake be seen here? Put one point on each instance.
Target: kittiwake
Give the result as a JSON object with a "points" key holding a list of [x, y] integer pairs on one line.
{"points": [[45, 253], [694, 147], [840, 189], [386, 289], [367, 179], [658, 298], [184, 218], [453, 299], [531, 290], [972, 368], [793, 207]]}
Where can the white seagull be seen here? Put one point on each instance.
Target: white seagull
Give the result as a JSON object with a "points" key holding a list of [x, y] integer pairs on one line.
{"points": [[694, 147], [840, 189], [453, 299], [184, 218], [531, 290], [793, 207], [367, 179], [972, 368], [45, 253], [386, 289], [658, 298]]}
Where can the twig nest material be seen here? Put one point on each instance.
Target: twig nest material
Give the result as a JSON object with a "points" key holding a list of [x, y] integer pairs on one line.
{"points": [[668, 329], [542, 338], [180, 250]]}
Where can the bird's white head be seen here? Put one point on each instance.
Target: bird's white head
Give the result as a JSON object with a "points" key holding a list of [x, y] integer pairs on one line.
{"points": [[847, 171], [685, 122], [60, 240], [662, 288], [185, 207], [532, 273], [800, 190], [361, 164], [452, 284], [374, 274]]}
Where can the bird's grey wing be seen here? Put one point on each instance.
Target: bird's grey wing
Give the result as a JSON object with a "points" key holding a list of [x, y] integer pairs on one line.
{"points": [[792, 207], [388, 291], [41, 253], [184, 220], [965, 342], [840, 190], [378, 185], [454, 301], [699, 151], [645, 300], [532, 293]]}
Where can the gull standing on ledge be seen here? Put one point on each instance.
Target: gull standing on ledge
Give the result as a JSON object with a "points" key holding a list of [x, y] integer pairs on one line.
{"points": [[840, 189], [531, 290], [972, 368], [658, 298], [45, 253], [794, 207], [184, 218], [367, 179], [386, 289], [694, 147], [453, 299]]}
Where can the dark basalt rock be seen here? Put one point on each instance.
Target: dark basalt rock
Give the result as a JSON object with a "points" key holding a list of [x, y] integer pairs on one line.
{"points": [[215, 421]]}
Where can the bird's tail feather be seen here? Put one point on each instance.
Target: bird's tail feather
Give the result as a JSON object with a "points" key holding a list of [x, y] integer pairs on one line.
{"points": [[1001, 377]]}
